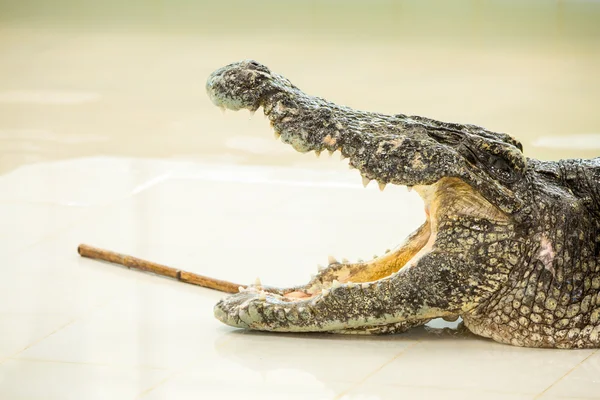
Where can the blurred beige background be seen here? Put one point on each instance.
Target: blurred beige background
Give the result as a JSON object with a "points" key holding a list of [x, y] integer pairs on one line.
{"points": [[80, 78]]}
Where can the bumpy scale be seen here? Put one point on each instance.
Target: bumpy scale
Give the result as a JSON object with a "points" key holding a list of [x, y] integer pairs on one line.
{"points": [[511, 244]]}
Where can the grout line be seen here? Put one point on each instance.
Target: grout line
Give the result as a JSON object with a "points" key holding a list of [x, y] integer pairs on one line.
{"points": [[39, 340], [565, 375], [174, 373], [360, 382], [73, 320], [162, 381]]}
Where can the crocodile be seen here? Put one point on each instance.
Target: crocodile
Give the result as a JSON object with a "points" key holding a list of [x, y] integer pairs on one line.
{"points": [[510, 244]]}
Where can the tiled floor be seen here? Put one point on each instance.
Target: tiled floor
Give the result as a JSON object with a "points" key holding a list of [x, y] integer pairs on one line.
{"points": [[72, 328]]}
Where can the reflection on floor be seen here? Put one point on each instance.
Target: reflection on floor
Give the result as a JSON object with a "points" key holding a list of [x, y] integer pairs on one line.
{"points": [[76, 328]]}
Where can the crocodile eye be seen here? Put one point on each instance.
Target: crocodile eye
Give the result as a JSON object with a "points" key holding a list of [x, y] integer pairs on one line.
{"points": [[445, 137], [500, 167]]}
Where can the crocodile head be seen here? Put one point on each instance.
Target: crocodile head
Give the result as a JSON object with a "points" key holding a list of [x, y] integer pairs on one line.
{"points": [[491, 221]]}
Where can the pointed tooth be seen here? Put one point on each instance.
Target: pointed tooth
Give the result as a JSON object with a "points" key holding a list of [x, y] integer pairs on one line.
{"points": [[364, 285], [365, 181], [276, 134], [222, 109], [350, 166], [409, 188], [252, 112], [381, 185], [262, 296], [312, 276], [318, 153], [331, 152], [320, 267], [345, 260], [257, 282], [342, 156], [332, 260], [335, 284]]}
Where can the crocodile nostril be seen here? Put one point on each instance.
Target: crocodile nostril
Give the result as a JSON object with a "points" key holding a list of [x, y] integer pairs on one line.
{"points": [[254, 65]]}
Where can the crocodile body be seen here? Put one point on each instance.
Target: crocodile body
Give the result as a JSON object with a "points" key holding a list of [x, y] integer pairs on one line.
{"points": [[511, 244]]}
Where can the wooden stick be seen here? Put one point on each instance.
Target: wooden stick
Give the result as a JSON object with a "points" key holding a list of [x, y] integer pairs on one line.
{"points": [[85, 250]]}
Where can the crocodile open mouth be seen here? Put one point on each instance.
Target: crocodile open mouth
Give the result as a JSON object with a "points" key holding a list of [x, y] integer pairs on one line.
{"points": [[339, 272]]}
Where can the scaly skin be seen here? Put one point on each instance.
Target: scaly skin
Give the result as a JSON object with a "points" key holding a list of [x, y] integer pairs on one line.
{"points": [[511, 244]]}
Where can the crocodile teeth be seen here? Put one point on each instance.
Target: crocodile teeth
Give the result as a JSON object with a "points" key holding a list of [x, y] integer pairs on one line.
{"points": [[222, 109], [252, 113], [318, 153], [312, 276], [345, 260], [342, 156], [335, 284], [320, 267], [350, 166], [331, 152], [409, 188], [332, 260], [257, 282], [365, 181], [276, 134], [262, 296], [364, 285], [381, 185]]}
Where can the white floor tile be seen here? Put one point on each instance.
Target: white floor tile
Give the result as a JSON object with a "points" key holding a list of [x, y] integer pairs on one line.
{"points": [[25, 224], [325, 357], [390, 391], [20, 330], [20, 380], [582, 382], [478, 364], [164, 328], [273, 386]]}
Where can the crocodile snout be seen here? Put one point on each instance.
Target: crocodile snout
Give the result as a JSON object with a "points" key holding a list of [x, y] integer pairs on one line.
{"points": [[239, 85]]}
